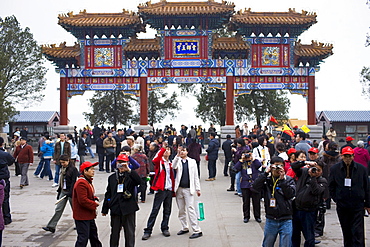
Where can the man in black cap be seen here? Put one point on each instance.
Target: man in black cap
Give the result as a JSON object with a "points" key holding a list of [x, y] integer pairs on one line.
{"points": [[5, 160], [226, 146]]}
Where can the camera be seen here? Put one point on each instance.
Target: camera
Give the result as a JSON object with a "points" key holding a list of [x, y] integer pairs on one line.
{"points": [[313, 169], [127, 194]]}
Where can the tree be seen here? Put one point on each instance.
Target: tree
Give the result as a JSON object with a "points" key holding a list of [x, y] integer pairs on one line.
{"points": [[159, 106], [112, 107], [211, 105], [365, 72], [21, 68], [260, 104]]}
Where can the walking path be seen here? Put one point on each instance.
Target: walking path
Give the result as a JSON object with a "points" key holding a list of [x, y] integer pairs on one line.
{"points": [[33, 206]]}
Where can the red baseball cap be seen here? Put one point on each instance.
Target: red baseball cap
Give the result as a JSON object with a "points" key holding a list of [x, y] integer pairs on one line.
{"points": [[313, 150], [347, 150], [122, 157], [87, 164], [348, 139], [291, 150]]}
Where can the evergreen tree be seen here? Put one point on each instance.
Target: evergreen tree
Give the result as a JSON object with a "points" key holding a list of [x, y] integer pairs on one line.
{"points": [[159, 106], [112, 107], [21, 68], [211, 105], [260, 104]]}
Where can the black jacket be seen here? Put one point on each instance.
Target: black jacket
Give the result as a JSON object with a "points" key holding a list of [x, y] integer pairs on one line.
{"points": [[6, 159], [116, 202], [99, 146], [355, 197], [284, 194], [310, 190], [70, 179], [226, 146]]}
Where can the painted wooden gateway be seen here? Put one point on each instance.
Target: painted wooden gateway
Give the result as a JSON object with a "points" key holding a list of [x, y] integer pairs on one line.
{"points": [[264, 54]]}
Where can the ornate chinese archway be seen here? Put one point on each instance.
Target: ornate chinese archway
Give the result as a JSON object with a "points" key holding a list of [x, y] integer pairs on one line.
{"points": [[264, 54]]}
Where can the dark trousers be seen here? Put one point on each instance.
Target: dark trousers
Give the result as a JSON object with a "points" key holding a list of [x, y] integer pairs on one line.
{"points": [[6, 204], [226, 166], [232, 178], [198, 165], [247, 194], [320, 219], [304, 221], [87, 230], [352, 224], [17, 169], [211, 168], [142, 188], [128, 224], [160, 197], [108, 161], [101, 162]]}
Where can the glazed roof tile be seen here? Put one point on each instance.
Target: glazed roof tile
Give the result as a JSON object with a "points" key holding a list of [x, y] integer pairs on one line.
{"points": [[275, 18], [315, 49], [34, 116], [185, 8], [62, 51], [84, 19], [347, 116], [140, 45], [230, 43]]}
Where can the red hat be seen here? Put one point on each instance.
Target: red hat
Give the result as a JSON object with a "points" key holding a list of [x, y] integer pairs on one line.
{"points": [[291, 150], [87, 164], [122, 157], [295, 127], [313, 150], [347, 150], [348, 139]]}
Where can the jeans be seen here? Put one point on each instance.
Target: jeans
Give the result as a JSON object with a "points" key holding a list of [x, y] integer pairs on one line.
{"points": [[352, 224], [211, 168], [160, 197], [46, 171], [237, 179], [304, 221], [90, 151], [56, 176], [39, 167], [275, 227], [6, 203]]}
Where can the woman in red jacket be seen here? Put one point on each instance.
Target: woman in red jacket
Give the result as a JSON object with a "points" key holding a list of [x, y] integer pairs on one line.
{"points": [[84, 204]]}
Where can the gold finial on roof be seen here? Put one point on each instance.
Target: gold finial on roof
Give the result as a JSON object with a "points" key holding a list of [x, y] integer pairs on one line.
{"points": [[70, 14], [63, 44]]}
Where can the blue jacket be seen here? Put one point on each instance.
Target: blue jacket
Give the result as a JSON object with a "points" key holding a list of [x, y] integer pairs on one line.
{"points": [[47, 149], [212, 149]]}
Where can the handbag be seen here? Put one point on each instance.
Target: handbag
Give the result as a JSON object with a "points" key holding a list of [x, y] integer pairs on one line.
{"points": [[110, 151]]}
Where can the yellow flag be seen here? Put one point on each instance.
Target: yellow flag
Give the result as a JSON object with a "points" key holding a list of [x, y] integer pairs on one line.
{"points": [[305, 129]]}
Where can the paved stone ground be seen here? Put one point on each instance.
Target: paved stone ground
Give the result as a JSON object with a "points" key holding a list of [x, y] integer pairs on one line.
{"points": [[33, 206]]}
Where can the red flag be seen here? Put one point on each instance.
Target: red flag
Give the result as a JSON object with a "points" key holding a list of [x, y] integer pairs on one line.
{"points": [[272, 119], [288, 130]]}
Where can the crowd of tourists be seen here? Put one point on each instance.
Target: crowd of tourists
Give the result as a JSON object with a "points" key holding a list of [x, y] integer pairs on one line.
{"points": [[297, 179]]}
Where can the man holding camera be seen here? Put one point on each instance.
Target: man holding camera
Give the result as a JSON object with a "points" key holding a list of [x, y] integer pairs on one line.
{"points": [[248, 166], [279, 191], [311, 189], [120, 200]]}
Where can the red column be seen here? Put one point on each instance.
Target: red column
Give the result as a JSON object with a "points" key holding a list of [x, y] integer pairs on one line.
{"points": [[229, 100], [311, 114], [143, 101], [63, 101]]}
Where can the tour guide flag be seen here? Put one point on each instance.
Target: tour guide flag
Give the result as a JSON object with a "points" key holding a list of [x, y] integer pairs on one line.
{"points": [[272, 119], [288, 130], [305, 129]]}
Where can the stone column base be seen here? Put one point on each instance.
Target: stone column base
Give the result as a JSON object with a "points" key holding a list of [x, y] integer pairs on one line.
{"points": [[146, 129]]}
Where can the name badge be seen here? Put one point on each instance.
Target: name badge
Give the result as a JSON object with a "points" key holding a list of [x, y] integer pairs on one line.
{"points": [[347, 182], [249, 171], [120, 188], [64, 184], [272, 202]]}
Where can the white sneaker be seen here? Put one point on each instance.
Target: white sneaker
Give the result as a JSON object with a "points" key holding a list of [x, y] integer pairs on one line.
{"points": [[54, 185]]}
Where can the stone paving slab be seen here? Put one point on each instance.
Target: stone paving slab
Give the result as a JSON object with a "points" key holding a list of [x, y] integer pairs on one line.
{"points": [[33, 206]]}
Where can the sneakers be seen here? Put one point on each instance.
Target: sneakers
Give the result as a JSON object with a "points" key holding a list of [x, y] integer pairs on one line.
{"points": [[54, 185], [146, 236]]}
